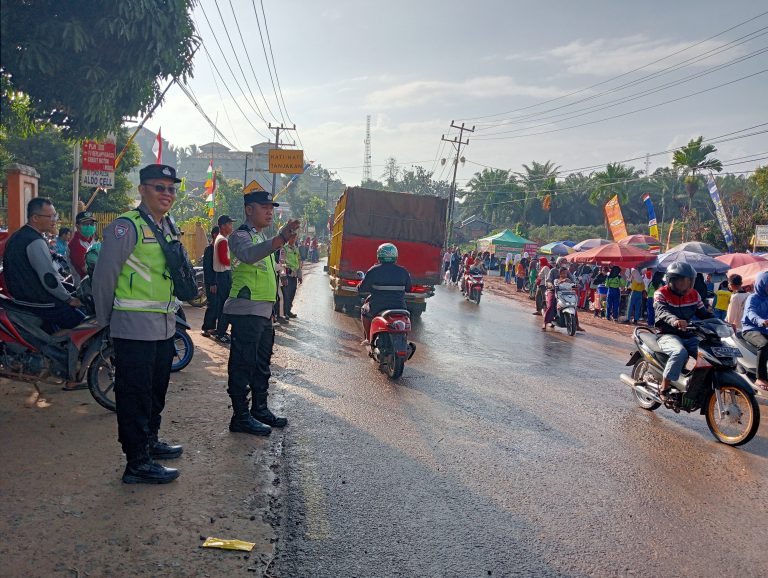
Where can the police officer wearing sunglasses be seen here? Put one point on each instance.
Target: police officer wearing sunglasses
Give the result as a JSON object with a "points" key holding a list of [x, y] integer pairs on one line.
{"points": [[133, 293]]}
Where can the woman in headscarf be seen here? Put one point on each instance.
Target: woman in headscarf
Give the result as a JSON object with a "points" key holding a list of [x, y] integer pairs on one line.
{"points": [[551, 313], [541, 280]]}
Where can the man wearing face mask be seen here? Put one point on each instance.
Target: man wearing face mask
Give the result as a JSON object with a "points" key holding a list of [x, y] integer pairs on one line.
{"points": [[81, 241]]}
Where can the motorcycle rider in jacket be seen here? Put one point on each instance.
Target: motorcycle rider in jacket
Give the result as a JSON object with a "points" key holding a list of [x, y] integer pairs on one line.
{"points": [[387, 284], [674, 306]]}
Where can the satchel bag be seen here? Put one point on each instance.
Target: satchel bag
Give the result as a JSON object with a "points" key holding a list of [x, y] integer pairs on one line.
{"points": [[176, 260]]}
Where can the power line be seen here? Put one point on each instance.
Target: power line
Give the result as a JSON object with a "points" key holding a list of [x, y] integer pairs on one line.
{"points": [[622, 114], [623, 100], [274, 66], [187, 91], [579, 91], [266, 59], [247, 58], [673, 68], [221, 99]]}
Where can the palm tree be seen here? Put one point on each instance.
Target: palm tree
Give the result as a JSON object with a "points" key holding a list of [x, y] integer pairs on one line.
{"points": [[692, 158], [616, 179], [491, 191], [534, 179]]}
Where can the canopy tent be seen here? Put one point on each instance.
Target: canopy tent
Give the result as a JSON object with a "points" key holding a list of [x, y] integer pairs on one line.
{"points": [[738, 259], [591, 244], [556, 249], [613, 254], [697, 247], [504, 241], [749, 272], [702, 263]]}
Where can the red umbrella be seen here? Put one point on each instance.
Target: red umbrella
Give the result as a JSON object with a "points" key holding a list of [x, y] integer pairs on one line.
{"points": [[613, 254], [739, 259], [749, 272], [643, 242]]}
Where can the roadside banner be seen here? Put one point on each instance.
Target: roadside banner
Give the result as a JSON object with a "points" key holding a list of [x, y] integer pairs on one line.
{"points": [[722, 218], [98, 164], [652, 225], [615, 219], [761, 236]]}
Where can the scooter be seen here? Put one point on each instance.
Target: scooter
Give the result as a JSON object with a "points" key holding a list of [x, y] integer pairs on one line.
{"points": [[29, 353], [746, 364], [712, 387], [566, 307], [473, 285], [387, 340]]}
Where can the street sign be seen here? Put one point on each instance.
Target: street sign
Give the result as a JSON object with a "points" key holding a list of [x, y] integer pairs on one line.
{"points": [[252, 187], [103, 179], [761, 236], [286, 161], [98, 164]]}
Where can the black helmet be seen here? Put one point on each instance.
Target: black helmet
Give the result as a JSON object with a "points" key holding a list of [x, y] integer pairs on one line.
{"points": [[677, 271]]}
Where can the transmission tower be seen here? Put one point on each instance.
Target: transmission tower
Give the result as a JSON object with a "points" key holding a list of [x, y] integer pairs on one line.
{"points": [[367, 160]]}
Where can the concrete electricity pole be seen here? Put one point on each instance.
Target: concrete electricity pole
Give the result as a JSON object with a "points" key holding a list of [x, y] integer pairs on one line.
{"points": [[458, 142]]}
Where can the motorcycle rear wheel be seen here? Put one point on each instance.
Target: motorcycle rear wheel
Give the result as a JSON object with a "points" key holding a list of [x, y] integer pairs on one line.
{"points": [[570, 324], [185, 349], [639, 372], [743, 415], [477, 296], [395, 366], [101, 378]]}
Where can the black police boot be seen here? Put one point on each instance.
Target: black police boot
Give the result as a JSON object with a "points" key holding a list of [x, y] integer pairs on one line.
{"points": [[260, 411], [159, 450], [142, 470], [243, 422]]}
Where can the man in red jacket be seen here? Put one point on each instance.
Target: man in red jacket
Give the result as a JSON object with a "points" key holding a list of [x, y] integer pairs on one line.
{"points": [[81, 241]]}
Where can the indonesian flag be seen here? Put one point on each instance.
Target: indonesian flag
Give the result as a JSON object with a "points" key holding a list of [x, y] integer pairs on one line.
{"points": [[157, 148], [210, 188]]}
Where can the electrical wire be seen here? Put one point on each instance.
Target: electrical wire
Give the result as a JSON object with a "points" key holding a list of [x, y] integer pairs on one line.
{"points": [[266, 58], [187, 91], [221, 100]]}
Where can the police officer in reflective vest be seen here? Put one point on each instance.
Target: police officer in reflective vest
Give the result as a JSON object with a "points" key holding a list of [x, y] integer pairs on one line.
{"points": [[291, 275], [249, 310], [133, 294]]}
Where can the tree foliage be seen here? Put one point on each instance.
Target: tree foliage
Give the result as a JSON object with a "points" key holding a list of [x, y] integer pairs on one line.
{"points": [[85, 66], [691, 160]]}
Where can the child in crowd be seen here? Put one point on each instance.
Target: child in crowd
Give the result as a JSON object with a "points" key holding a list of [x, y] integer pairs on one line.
{"points": [[722, 299], [736, 305]]}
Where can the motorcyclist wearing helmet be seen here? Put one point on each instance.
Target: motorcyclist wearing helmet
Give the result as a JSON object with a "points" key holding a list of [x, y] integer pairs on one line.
{"points": [[387, 282], [674, 305]]}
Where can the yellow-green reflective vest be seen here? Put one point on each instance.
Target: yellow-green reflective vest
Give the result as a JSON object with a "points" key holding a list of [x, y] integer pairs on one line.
{"points": [[292, 257], [615, 282], [254, 281], [144, 283]]}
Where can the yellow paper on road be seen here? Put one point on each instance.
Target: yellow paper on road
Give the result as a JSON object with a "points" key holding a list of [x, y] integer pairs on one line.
{"points": [[228, 544]]}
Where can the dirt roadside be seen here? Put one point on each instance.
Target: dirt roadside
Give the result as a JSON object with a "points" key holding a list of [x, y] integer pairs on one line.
{"points": [[65, 512]]}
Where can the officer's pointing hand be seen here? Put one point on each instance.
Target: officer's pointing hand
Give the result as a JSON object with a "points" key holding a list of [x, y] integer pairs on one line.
{"points": [[290, 229]]}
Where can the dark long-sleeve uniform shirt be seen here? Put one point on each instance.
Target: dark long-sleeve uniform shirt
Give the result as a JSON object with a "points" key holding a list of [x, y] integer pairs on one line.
{"points": [[387, 283]]}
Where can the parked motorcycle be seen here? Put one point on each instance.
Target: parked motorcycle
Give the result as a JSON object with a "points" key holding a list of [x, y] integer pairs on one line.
{"points": [[29, 353], [567, 299], [473, 286], [387, 341], [746, 364], [713, 386], [202, 298]]}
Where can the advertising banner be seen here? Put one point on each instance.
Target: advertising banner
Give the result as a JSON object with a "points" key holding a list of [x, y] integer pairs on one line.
{"points": [[722, 218], [615, 219], [653, 227]]}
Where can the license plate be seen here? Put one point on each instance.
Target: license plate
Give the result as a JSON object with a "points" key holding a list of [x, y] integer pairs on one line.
{"points": [[726, 351]]}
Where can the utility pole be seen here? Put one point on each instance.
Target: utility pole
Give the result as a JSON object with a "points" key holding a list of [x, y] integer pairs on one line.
{"points": [[647, 165], [75, 182], [457, 142], [245, 172], [277, 130]]}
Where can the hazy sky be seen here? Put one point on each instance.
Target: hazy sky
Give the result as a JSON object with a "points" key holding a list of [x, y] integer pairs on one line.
{"points": [[416, 66]]}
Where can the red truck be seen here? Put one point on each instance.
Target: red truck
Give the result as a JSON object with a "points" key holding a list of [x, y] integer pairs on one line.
{"points": [[364, 219]]}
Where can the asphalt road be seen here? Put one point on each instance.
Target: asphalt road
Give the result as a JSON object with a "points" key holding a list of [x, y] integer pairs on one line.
{"points": [[501, 451]]}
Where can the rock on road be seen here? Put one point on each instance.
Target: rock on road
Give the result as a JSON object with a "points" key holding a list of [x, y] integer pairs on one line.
{"points": [[502, 451]]}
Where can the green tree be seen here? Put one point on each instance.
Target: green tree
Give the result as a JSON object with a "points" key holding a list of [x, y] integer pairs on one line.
{"points": [[691, 160], [86, 66], [492, 193], [758, 183], [316, 213], [391, 173], [531, 180], [614, 180]]}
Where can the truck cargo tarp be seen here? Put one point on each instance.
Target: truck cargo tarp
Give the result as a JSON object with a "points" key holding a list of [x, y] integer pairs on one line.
{"points": [[397, 216]]}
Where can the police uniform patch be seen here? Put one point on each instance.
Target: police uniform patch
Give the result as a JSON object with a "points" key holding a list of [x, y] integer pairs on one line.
{"points": [[167, 172], [120, 231], [243, 234]]}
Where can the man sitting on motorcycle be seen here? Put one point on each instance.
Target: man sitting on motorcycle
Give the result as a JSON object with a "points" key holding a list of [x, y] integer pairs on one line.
{"points": [[754, 324], [31, 278], [387, 284], [674, 305]]}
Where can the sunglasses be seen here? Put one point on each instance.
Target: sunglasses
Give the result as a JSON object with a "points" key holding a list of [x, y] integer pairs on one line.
{"points": [[162, 188], [54, 216]]}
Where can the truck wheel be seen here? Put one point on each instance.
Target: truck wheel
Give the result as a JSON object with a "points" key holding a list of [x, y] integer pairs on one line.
{"points": [[338, 304]]}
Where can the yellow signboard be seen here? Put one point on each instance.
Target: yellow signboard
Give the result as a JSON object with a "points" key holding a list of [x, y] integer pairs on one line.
{"points": [[252, 187], [289, 162]]}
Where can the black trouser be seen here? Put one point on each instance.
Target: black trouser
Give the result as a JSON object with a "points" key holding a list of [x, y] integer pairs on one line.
{"points": [[249, 357], [289, 293], [142, 371], [211, 310], [223, 287], [761, 342], [541, 301]]}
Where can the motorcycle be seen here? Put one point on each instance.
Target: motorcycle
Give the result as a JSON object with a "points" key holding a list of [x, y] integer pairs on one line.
{"points": [[746, 363], [712, 387], [473, 285], [567, 299], [387, 340], [202, 298], [29, 353]]}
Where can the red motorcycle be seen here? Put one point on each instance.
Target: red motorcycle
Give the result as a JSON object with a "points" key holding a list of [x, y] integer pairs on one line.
{"points": [[29, 353], [388, 343], [473, 285]]}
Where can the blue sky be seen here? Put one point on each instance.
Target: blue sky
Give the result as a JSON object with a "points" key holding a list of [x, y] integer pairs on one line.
{"points": [[416, 66]]}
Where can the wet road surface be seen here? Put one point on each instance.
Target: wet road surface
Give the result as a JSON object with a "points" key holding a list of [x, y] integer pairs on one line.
{"points": [[501, 451]]}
